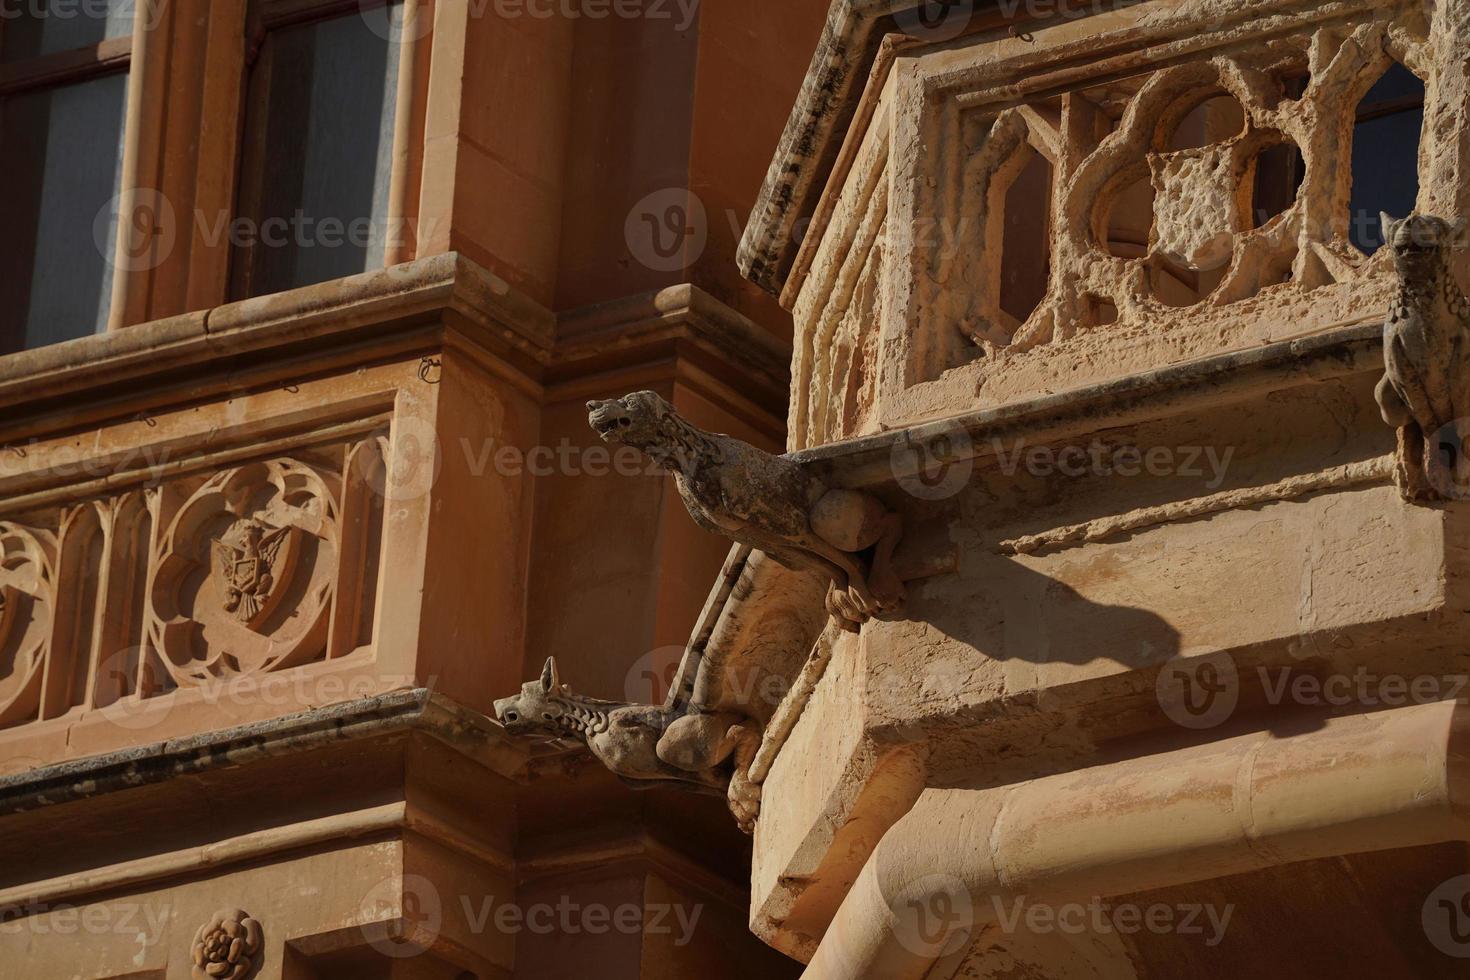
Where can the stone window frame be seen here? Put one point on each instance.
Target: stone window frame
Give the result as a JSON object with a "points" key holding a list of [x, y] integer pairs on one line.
{"points": [[72, 66], [182, 137], [263, 17]]}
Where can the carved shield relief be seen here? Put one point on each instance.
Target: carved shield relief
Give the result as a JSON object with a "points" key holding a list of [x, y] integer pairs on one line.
{"points": [[245, 574]]}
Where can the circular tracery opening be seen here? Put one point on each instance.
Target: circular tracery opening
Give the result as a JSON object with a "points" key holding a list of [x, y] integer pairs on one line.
{"points": [[1279, 170], [1214, 120], [1128, 225]]}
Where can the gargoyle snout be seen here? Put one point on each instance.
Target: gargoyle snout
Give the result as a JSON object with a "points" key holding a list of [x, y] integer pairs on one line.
{"points": [[607, 417], [1417, 234], [507, 711]]}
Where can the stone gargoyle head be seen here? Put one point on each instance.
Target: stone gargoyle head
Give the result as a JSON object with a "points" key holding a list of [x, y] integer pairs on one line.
{"points": [[536, 709], [1418, 242], [640, 420]]}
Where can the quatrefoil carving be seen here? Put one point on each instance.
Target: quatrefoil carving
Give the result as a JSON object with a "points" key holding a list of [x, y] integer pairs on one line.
{"points": [[246, 572]]}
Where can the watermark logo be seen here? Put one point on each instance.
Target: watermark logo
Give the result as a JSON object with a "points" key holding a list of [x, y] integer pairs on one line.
{"points": [[1208, 464], [396, 23], [1099, 917], [120, 673], [652, 675], [410, 467], [934, 916], [1199, 692], [1446, 917], [1449, 470], [935, 20], [1204, 692], [566, 917], [119, 15], [141, 922], [934, 464], [667, 230], [402, 916], [137, 231]]}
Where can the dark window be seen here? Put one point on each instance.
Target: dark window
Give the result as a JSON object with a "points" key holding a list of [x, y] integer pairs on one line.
{"points": [[63, 99], [318, 150], [1386, 154]]}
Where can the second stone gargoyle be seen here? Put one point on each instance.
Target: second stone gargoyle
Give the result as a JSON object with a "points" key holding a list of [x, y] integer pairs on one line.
{"points": [[1425, 391], [767, 502], [642, 744]]}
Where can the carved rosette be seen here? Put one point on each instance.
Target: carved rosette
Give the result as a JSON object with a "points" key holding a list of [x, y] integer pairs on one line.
{"points": [[246, 573], [227, 947], [27, 604]]}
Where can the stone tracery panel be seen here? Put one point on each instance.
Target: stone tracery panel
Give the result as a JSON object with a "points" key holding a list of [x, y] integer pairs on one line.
{"points": [[1204, 232], [27, 600], [1173, 185], [246, 570]]}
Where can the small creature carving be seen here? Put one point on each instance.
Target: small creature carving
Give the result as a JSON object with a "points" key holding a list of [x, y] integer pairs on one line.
{"points": [[768, 502], [1423, 392], [644, 745]]}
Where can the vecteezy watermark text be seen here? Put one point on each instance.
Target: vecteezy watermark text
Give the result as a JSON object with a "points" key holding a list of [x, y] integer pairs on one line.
{"points": [[1204, 691], [1100, 916], [1100, 459]]}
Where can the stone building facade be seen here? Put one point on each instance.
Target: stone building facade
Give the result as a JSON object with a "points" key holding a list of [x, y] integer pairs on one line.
{"points": [[1097, 617]]}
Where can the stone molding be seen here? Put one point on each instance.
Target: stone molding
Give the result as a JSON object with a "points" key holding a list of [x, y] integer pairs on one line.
{"points": [[393, 308], [1286, 800], [858, 43], [889, 456], [419, 710], [334, 313]]}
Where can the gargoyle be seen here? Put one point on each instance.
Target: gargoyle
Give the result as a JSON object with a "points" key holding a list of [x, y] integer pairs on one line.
{"points": [[767, 502], [741, 661], [644, 745], [1427, 335]]}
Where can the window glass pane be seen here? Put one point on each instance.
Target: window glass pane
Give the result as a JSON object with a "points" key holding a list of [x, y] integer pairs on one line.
{"points": [[61, 153], [327, 153], [30, 28], [1386, 155]]}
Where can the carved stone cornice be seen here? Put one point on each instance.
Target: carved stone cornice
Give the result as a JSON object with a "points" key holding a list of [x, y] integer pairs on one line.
{"points": [[408, 711], [894, 455], [404, 307]]}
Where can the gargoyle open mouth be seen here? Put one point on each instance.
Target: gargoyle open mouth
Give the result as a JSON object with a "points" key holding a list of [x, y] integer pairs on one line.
{"points": [[606, 418]]}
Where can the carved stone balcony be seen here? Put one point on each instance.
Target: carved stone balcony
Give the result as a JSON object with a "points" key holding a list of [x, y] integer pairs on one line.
{"points": [[197, 513], [1039, 206]]}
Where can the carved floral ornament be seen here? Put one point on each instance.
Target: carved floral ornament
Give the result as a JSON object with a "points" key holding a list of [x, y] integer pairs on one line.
{"points": [[227, 947], [246, 572]]}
